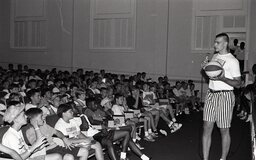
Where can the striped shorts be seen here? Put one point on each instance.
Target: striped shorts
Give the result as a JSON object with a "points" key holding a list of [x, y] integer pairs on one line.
{"points": [[218, 108]]}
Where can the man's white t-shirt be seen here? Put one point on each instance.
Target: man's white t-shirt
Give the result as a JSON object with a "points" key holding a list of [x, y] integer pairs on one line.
{"points": [[231, 68]]}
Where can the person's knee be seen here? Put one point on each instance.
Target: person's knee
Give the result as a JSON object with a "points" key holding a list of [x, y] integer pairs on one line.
{"points": [[108, 143], [56, 156], [68, 157], [224, 131], [208, 126], [97, 145]]}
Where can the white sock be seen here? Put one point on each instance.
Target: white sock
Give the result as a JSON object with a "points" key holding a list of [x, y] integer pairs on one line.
{"points": [[123, 155], [146, 133], [174, 120], [134, 139], [170, 124], [144, 157], [149, 130]]}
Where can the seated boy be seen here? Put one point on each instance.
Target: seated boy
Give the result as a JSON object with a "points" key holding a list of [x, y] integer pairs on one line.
{"points": [[70, 127]]}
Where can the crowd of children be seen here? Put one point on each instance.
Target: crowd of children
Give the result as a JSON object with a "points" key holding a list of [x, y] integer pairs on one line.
{"points": [[83, 100]]}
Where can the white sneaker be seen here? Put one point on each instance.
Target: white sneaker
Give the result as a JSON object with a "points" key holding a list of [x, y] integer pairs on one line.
{"points": [[139, 146], [138, 137], [163, 132], [175, 126]]}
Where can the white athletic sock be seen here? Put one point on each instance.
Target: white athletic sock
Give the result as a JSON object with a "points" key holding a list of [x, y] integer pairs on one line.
{"points": [[146, 133], [174, 120], [123, 155], [144, 157], [149, 130], [170, 124], [134, 139]]}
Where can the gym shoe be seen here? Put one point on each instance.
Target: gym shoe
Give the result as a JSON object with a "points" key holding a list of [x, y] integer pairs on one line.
{"points": [[149, 138], [175, 126], [153, 135], [138, 137], [139, 146], [163, 132]]}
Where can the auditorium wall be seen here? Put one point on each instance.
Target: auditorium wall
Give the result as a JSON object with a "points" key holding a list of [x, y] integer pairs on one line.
{"points": [[69, 32]]}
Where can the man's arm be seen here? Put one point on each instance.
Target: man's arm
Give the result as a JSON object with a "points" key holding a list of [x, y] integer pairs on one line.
{"points": [[235, 82]]}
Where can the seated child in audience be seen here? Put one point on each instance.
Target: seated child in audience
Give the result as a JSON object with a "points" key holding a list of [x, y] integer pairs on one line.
{"points": [[180, 101], [38, 128], [119, 108], [13, 138], [37, 102], [80, 99], [70, 127], [134, 102]]}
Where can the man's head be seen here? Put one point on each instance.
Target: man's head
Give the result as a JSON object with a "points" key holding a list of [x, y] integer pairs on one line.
{"points": [[103, 92], [146, 87], [221, 43], [56, 100], [80, 94], [65, 111], [63, 88], [242, 45], [14, 97], [14, 88], [46, 93], [35, 115], [119, 99], [91, 104], [94, 83], [34, 95], [235, 42]]}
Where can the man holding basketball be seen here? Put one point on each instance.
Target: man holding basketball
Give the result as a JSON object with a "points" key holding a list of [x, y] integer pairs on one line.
{"points": [[220, 99]]}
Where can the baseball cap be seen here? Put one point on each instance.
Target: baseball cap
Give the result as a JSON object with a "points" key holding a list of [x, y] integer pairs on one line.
{"points": [[12, 112], [105, 101]]}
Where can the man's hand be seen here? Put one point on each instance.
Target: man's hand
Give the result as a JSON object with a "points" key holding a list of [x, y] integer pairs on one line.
{"points": [[206, 60]]}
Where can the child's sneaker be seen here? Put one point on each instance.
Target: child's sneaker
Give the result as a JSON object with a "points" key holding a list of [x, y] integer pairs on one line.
{"points": [[175, 126], [154, 135], [138, 137], [139, 146], [149, 138], [163, 132]]}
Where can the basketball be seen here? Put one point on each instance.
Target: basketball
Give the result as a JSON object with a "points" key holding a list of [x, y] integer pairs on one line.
{"points": [[213, 69]]}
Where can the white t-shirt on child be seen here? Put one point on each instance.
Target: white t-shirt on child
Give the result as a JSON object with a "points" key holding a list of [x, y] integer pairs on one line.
{"points": [[70, 129]]}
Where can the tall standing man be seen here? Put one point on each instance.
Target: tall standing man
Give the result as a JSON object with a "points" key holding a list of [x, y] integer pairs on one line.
{"points": [[220, 99]]}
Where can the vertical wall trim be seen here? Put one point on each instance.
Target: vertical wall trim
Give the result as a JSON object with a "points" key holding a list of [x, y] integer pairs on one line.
{"points": [[72, 41], [167, 38]]}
